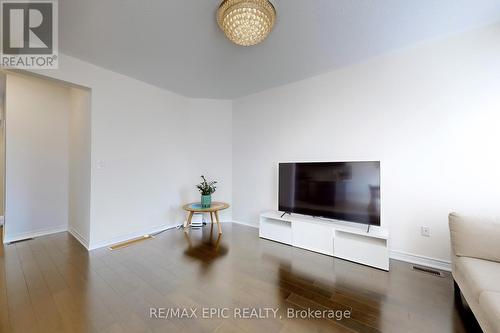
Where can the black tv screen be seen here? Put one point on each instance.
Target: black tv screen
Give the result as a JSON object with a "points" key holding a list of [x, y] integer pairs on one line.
{"points": [[347, 191]]}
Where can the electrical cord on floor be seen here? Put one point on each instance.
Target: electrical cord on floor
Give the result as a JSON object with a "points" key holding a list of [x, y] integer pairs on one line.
{"points": [[182, 227], [170, 228]]}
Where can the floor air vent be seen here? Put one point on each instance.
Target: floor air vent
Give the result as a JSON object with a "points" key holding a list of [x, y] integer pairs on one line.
{"points": [[427, 270], [19, 241], [129, 242]]}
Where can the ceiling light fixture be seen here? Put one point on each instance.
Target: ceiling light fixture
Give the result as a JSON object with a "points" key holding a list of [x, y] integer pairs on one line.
{"points": [[246, 22]]}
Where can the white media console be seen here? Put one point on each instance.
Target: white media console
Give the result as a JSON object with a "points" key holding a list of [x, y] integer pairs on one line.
{"points": [[340, 239]]}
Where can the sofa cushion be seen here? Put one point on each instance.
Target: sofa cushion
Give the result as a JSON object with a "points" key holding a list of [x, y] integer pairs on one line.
{"points": [[489, 301], [477, 275], [475, 237]]}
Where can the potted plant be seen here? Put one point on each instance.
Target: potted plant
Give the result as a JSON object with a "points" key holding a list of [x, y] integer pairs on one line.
{"points": [[206, 189]]}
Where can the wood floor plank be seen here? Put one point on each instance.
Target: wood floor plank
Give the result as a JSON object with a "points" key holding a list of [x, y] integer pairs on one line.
{"points": [[21, 314], [52, 284], [4, 308], [49, 319], [73, 298], [65, 302]]}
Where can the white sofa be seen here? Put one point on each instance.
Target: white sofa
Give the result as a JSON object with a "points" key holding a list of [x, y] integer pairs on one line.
{"points": [[475, 246]]}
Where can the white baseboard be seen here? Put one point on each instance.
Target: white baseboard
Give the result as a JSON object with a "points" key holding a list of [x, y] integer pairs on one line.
{"points": [[126, 237], [247, 224], [35, 233], [79, 238], [421, 260]]}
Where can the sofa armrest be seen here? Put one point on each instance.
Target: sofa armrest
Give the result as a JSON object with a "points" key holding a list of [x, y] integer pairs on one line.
{"points": [[475, 237]]}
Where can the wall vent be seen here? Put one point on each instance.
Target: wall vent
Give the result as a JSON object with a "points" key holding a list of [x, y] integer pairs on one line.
{"points": [[427, 270], [19, 241]]}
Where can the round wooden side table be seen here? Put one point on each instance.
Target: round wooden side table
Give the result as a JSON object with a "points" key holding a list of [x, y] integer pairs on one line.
{"points": [[195, 207]]}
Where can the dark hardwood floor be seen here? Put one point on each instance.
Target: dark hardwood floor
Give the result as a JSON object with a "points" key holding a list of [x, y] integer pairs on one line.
{"points": [[52, 284]]}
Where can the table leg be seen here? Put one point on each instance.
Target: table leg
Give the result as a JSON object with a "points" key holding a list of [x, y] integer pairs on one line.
{"points": [[188, 238], [188, 222], [217, 242], [218, 222], [211, 217]]}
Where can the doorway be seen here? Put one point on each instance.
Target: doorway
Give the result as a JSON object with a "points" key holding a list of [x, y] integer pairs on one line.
{"points": [[47, 157]]}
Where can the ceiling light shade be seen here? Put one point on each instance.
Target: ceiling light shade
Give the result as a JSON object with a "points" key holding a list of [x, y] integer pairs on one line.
{"points": [[246, 22]]}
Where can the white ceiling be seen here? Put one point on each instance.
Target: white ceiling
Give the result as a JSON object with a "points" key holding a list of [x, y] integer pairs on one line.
{"points": [[177, 45]]}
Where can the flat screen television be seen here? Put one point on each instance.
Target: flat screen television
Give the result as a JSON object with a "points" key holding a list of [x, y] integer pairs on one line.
{"points": [[347, 191]]}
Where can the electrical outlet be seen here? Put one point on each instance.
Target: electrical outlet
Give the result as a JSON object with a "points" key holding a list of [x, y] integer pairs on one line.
{"points": [[101, 164], [425, 231]]}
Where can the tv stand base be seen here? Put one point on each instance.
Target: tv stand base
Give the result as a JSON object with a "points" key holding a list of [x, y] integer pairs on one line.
{"points": [[331, 237]]}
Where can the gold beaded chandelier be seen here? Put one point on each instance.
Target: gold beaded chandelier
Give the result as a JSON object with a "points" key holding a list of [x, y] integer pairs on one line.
{"points": [[246, 22]]}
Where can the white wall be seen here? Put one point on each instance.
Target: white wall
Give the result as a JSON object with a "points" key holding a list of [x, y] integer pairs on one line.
{"points": [[36, 157], [429, 113], [79, 164], [144, 141], [210, 151]]}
